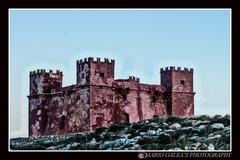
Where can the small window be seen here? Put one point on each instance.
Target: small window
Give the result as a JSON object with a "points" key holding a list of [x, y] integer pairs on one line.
{"points": [[83, 75], [44, 119], [124, 97], [127, 90], [102, 75], [154, 99], [62, 123], [182, 82], [126, 117]]}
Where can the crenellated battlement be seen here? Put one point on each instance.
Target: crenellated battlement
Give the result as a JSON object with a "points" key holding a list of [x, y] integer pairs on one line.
{"points": [[98, 60], [178, 69], [133, 79], [42, 71]]}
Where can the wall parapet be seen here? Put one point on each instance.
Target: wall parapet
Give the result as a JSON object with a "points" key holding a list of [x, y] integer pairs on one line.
{"points": [[178, 69], [134, 79], [42, 71], [97, 60]]}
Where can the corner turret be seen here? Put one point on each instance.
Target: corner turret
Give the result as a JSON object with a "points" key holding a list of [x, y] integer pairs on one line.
{"points": [[179, 85], [42, 82]]}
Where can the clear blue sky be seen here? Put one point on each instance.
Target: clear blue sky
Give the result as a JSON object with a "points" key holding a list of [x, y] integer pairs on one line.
{"points": [[141, 41]]}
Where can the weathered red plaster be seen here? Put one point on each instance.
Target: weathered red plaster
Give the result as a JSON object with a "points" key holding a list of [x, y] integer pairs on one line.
{"points": [[99, 100]]}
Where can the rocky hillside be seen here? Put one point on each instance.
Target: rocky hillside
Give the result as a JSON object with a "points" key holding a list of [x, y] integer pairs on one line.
{"points": [[169, 133]]}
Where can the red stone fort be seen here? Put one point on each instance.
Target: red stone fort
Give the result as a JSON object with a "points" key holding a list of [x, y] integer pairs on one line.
{"points": [[98, 100]]}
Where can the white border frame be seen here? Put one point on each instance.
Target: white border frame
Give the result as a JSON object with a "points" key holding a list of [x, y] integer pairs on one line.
{"points": [[138, 151]]}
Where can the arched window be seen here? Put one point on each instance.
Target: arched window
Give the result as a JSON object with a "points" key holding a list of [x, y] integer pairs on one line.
{"points": [[62, 122]]}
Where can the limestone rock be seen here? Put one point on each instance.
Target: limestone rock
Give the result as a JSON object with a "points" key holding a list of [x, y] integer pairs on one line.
{"points": [[175, 126], [171, 133]]}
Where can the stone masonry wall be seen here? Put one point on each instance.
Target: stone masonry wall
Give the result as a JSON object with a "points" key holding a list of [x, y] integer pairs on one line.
{"points": [[44, 82], [125, 102], [182, 104], [72, 111], [61, 113]]}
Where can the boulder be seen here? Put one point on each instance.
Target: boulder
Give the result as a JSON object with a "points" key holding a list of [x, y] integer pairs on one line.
{"points": [[135, 147], [199, 122], [143, 133], [211, 147], [170, 131], [151, 132], [158, 131], [134, 140], [175, 126], [182, 139], [193, 139], [201, 128], [186, 130], [217, 126], [194, 146]]}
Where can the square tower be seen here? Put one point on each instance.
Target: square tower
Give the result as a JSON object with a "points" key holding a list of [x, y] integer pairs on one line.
{"points": [[91, 72], [179, 88], [42, 84]]}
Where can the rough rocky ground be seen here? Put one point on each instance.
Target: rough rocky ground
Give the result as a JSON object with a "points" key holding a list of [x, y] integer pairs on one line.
{"points": [[168, 133]]}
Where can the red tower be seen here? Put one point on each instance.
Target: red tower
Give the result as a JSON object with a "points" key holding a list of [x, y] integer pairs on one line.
{"points": [[95, 72], [179, 88], [42, 84]]}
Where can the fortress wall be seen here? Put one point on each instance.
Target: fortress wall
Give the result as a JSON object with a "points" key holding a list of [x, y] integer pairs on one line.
{"points": [[113, 104], [101, 103], [72, 110], [182, 104], [61, 113]]}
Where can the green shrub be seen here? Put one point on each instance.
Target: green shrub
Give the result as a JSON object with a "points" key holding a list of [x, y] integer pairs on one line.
{"points": [[172, 119], [116, 127]]}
